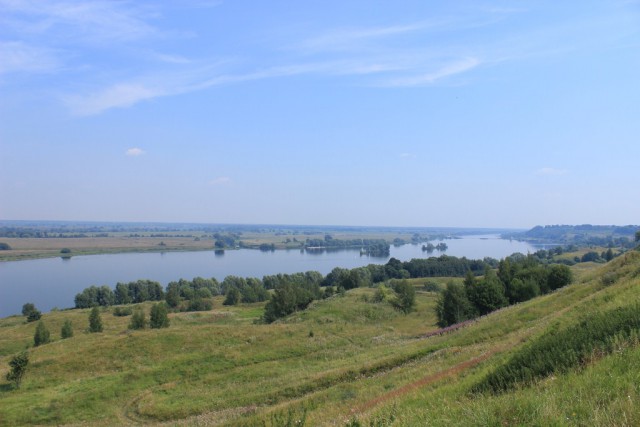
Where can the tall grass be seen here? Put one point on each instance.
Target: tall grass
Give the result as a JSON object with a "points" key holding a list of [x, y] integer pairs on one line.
{"points": [[559, 351]]}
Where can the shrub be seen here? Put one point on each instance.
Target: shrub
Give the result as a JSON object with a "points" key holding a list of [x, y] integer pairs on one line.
{"points": [[67, 329], [199, 304], [382, 294], [42, 335], [138, 320], [232, 297], [122, 311], [95, 322], [18, 364], [159, 316], [431, 286], [4, 246]]}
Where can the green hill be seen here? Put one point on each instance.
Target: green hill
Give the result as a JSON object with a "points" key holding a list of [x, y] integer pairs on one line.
{"points": [[344, 360]]}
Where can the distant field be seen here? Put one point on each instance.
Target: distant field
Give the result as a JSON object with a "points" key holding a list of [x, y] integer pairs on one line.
{"points": [[27, 248]]}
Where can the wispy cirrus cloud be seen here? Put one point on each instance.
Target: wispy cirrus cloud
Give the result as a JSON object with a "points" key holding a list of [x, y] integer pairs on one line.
{"points": [[116, 96], [60, 34], [83, 22], [349, 38], [18, 56], [450, 69]]}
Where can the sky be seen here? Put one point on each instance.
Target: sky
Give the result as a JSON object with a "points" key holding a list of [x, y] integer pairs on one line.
{"points": [[404, 113]]}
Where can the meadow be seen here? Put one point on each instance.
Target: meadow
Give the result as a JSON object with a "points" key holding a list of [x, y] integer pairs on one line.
{"points": [[345, 360]]}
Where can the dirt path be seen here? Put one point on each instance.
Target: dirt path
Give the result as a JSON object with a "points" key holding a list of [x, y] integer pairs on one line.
{"points": [[454, 370]]}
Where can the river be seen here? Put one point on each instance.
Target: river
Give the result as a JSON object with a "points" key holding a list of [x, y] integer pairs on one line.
{"points": [[54, 282]]}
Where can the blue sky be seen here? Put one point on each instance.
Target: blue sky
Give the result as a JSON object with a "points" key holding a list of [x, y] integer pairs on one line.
{"points": [[403, 113]]}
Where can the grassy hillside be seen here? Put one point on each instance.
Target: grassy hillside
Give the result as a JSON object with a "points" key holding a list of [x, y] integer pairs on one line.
{"points": [[343, 360]]}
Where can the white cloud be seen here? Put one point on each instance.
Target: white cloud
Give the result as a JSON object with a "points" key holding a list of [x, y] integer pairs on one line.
{"points": [[221, 180], [547, 171], [81, 22], [117, 96], [456, 67], [133, 152], [22, 57], [349, 38]]}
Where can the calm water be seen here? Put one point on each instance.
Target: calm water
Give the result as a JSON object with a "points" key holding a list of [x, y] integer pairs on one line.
{"points": [[54, 282]]}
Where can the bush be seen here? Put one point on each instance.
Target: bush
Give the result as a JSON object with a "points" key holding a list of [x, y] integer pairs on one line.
{"points": [[42, 335], [382, 294], [199, 304], [18, 364], [67, 329], [232, 297], [159, 316], [431, 286], [122, 311], [138, 321], [95, 322], [4, 246]]}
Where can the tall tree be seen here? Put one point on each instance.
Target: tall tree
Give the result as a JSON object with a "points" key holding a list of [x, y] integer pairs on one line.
{"points": [[32, 313], [453, 306], [488, 294], [95, 321], [405, 296]]}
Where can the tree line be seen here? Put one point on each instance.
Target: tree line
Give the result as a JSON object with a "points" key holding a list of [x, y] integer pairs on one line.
{"points": [[528, 276], [519, 278]]}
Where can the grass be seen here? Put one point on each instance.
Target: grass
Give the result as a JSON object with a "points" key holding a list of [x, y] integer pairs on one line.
{"points": [[342, 359]]}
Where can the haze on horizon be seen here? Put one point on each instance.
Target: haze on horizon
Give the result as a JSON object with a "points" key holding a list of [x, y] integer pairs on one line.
{"points": [[470, 114]]}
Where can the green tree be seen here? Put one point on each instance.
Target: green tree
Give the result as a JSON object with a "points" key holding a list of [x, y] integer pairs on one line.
{"points": [[287, 298], [638, 236], [405, 298], [18, 364], [559, 276], [488, 294], [31, 312], [138, 320], [42, 335], [122, 294], [67, 329], [232, 297], [608, 255], [521, 291], [172, 297], [95, 321], [159, 316], [453, 306]]}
